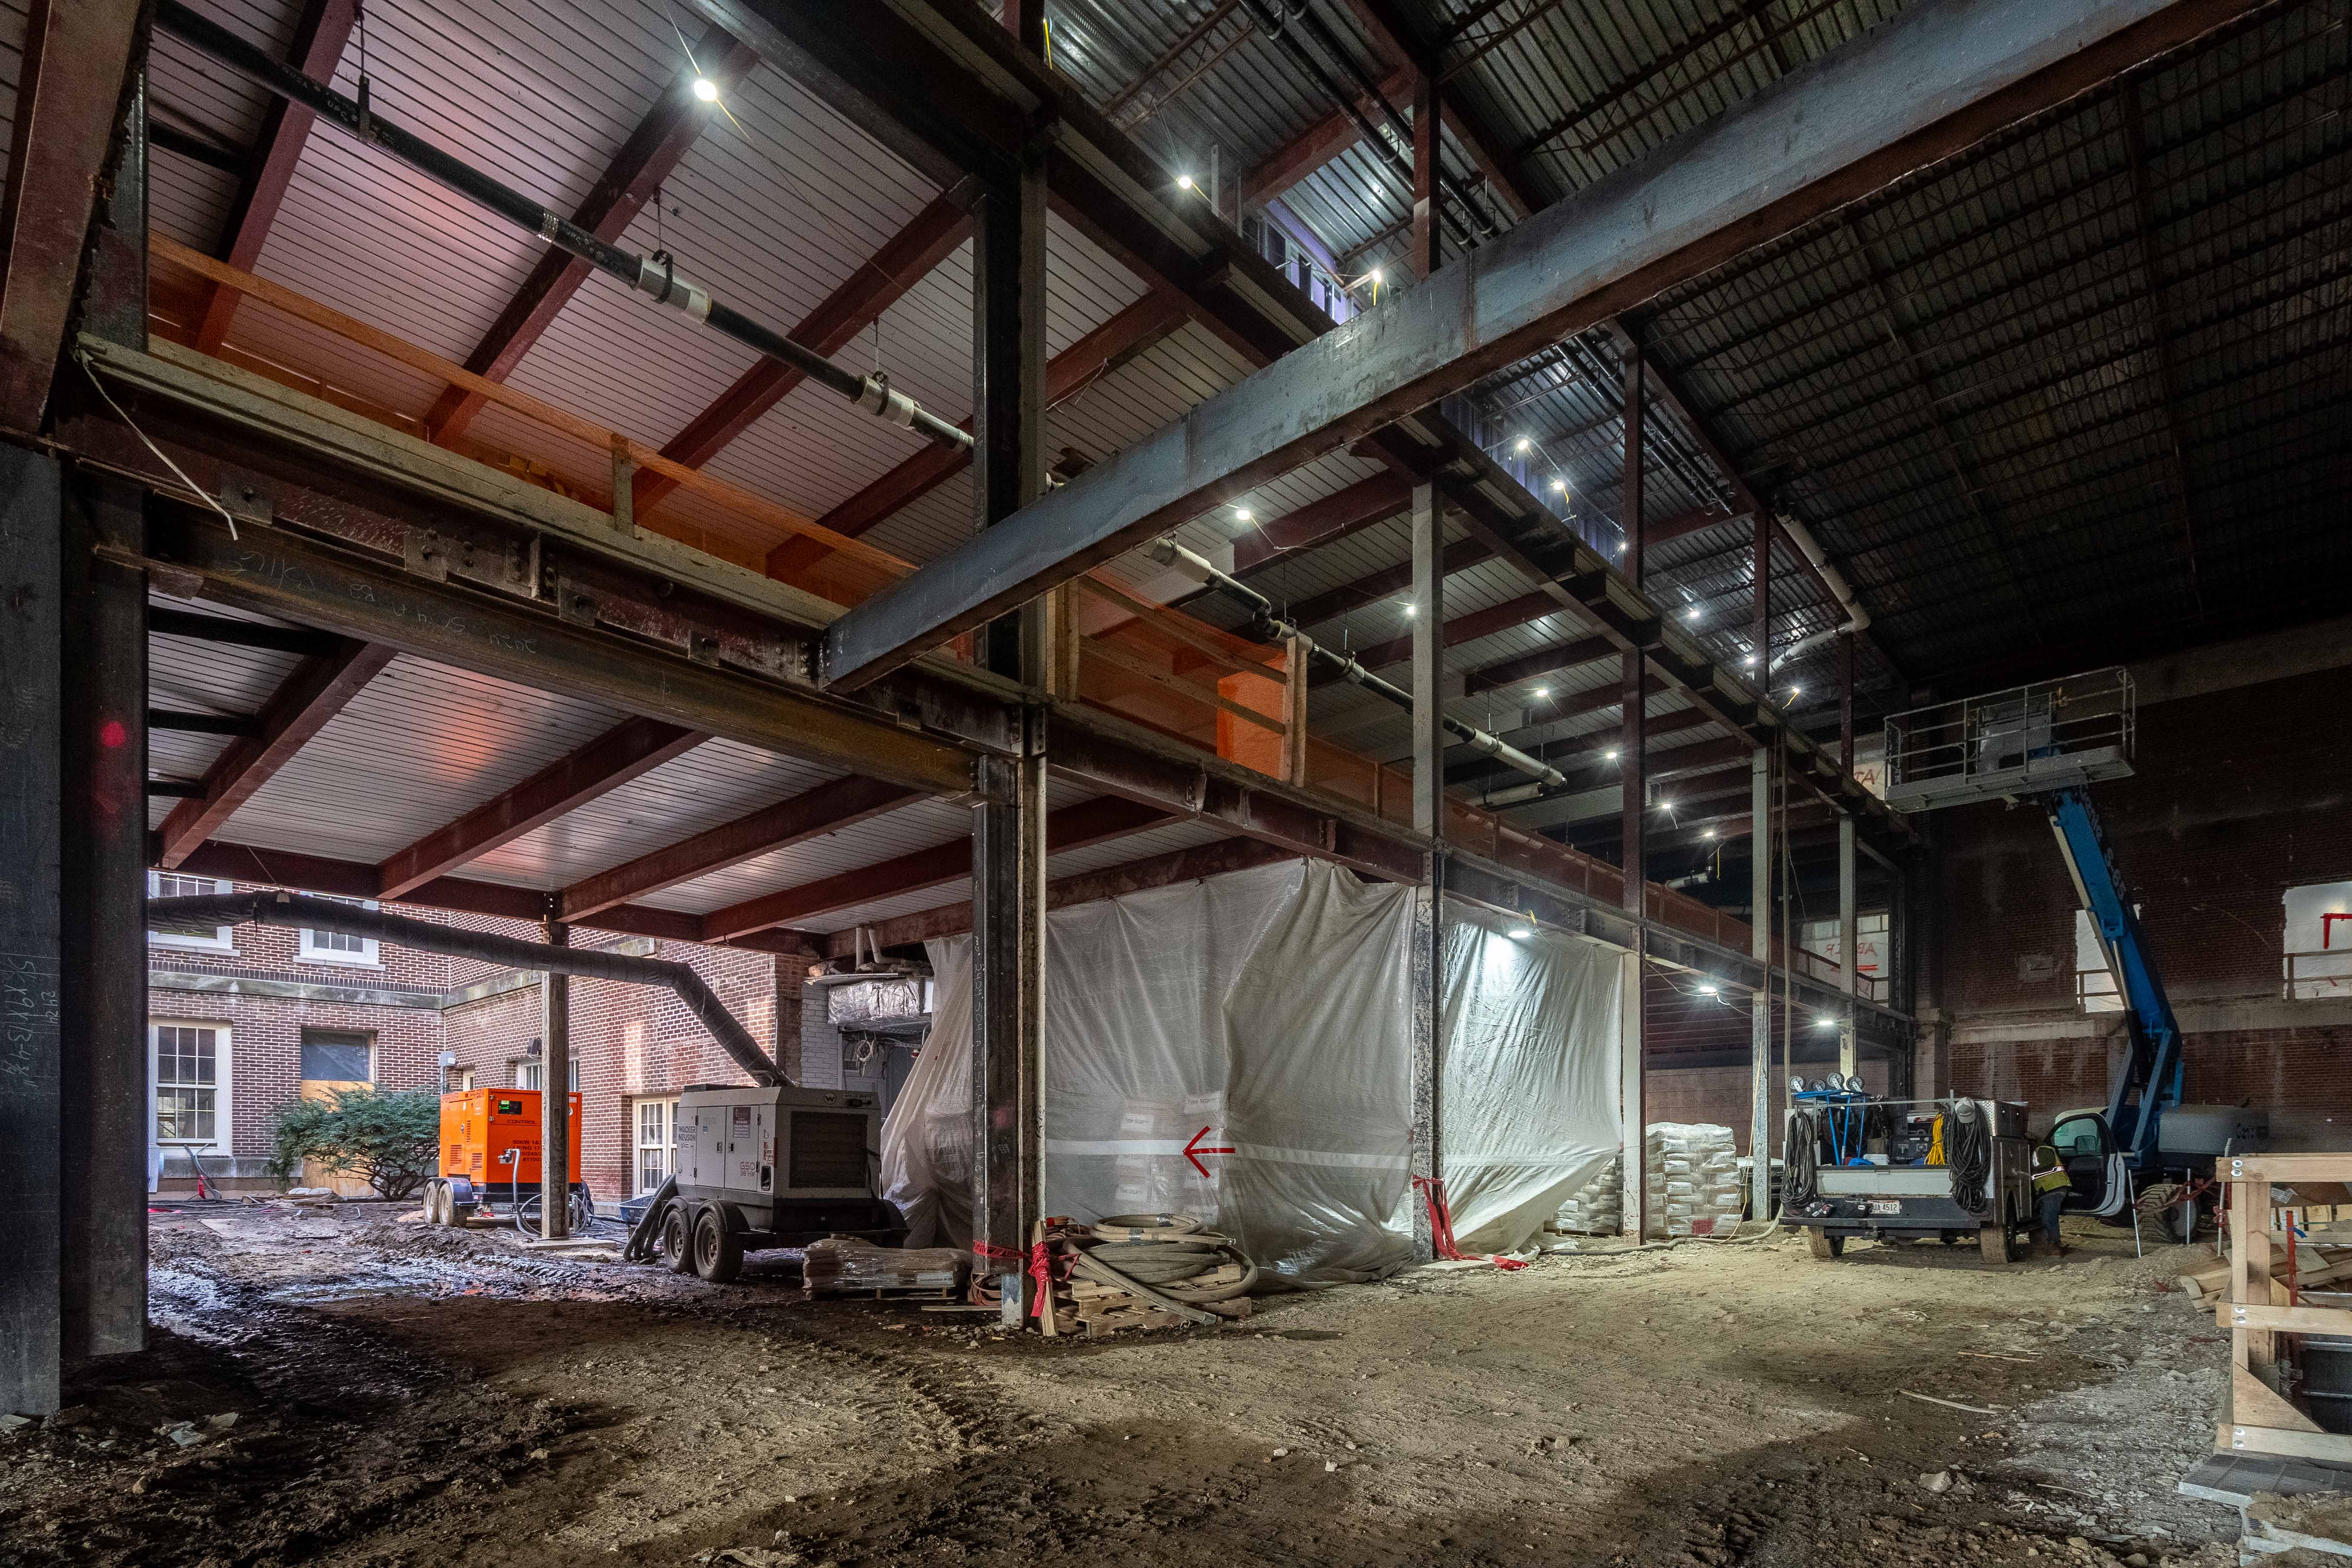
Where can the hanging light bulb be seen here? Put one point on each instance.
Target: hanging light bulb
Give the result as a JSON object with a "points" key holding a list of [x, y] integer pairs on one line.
{"points": [[706, 89], [1185, 182]]}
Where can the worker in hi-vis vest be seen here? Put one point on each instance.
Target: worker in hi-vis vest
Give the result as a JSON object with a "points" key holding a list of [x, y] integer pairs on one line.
{"points": [[2050, 1187]]}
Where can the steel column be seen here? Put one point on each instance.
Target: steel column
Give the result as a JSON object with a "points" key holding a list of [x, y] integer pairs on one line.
{"points": [[1425, 1161], [1007, 1006], [104, 1114], [1759, 1018], [555, 1092], [1426, 239], [1633, 800], [1429, 738], [1849, 967], [1008, 362], [32, 927], [1759, 617]]}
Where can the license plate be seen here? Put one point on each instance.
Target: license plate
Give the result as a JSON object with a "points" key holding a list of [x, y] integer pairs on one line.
{"points": [[1883, 1205]]}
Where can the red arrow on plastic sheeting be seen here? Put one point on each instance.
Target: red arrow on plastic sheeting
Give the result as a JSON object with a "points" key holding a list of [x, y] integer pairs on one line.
{"points": [[1193, 1151]]}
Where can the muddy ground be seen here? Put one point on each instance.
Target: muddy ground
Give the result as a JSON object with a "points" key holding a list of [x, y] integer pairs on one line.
{"points": [[350, 1387]]}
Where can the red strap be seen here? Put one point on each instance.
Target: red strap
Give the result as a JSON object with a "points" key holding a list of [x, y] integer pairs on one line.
{"points": [[992, 1254], [1440, 1227], [1041, 1269]]}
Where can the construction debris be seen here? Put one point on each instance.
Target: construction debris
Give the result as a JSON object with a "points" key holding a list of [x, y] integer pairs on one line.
{"points": [[1140, 1271], [846, 1266]]}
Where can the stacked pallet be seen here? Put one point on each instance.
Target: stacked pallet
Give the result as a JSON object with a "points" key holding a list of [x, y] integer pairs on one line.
{"points": [[1141, 1271], [1596, 1209], [846, 1266], [1691, 1178]]}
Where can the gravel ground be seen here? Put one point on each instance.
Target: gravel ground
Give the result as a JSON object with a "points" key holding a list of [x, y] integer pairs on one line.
{"points": [[348, 1387]]}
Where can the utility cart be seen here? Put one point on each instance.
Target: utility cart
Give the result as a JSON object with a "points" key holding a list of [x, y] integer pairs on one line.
{"points": [[490, 1161], [1943, 1170]]}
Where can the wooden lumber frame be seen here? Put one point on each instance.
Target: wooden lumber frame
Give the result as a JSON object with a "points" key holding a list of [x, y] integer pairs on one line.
{"points": [[2262, 1419]]}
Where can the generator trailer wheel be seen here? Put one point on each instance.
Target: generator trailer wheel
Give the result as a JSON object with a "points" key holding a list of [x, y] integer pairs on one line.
{"points": [[674, 1240], [717, 1250]]}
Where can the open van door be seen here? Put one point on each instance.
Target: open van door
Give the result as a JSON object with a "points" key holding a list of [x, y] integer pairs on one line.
{"points": [[2095, 1166]]}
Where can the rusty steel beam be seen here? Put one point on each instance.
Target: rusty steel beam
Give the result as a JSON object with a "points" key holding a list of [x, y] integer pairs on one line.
{"points": [[1320, 523], [1096, 821], [319, 39], [1320, 142], [69, 88], [1396, 36], [1178, 866], [1068, 373], [628, 751], [314, 693], [828, 808], [651, 154], [259, 866], [1924, 85], [905, 259]]}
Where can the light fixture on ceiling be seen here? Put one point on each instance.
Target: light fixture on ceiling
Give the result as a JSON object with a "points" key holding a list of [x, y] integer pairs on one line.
{"points": [[1796, 692], [1243, 514], [1543, 691], [1559, 486], [1708, 834], [706, 89], [1691, 613], [1376, 275], [1185, 182], [1523, 445], [1825, 1022], [1707, 990], [1751, 661], [1410, 609], [1519, 933], [1608, 756]]}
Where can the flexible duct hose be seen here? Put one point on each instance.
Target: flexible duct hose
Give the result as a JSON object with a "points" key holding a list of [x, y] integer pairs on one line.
{"points": [[1967, 1150]]}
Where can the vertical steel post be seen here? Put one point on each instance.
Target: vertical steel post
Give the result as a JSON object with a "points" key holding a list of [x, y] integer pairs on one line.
{"points": [[1009, 822], [105, 1123], [32, 926], [1429, 817], [1633, 826], [1426, 120], [555, 1093], [1759, 1019], [1849, 939]]}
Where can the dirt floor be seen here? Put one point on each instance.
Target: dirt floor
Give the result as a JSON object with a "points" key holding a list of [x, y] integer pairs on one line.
{"points": [[347, 1387]]}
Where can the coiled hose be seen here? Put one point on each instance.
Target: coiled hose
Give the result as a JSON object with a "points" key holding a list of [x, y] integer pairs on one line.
{"points": [[1801, 1160], [1164, 1253], [1967, 1150]]}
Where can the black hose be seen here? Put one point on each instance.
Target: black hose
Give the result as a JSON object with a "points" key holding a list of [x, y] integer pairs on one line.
{"points": [[1801, 1161], [209, 914], [1967, 1151], [361, 122]]}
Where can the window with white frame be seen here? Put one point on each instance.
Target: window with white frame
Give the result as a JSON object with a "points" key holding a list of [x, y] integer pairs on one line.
{"points": [[171, 885], [529, 1072], [2095, 990], [191, 1084], [336, 947], [657, 1143], [2318, 932]]}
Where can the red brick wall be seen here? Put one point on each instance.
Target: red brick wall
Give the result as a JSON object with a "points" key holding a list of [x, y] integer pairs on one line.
{"points": [[2237, 795], [630, 1040]]}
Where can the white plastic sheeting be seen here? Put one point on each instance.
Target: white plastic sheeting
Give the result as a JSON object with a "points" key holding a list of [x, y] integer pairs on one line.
{"points": [[1266, 1011], [1527, 1101], [1269, 1012]]}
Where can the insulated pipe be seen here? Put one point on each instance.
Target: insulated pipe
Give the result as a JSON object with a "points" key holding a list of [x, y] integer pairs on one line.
{"points": [[1270, 628], [203, 915], [1857, 618], [656, 275]]}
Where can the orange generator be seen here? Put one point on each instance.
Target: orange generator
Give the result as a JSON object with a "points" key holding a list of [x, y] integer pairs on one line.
{"points": [[489, 1159]]}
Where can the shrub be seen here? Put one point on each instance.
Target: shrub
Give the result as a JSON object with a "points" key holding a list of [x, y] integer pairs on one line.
{"points": [[386, 1140]]}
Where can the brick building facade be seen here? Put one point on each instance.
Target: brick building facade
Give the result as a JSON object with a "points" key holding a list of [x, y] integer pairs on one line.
{"points": [[240, 1020]]}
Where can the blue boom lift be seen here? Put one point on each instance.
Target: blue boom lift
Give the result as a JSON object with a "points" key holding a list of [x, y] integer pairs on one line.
{"points": [[2047, 743]]}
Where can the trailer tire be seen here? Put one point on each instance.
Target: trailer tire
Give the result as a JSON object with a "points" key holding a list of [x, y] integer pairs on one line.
{"points": [[1998, 1245], [1824, 1244], [717, 1249], [675, 1239], [433, 1201]]}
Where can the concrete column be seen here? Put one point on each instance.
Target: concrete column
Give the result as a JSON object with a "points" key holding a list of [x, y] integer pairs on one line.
{"points": [[1849, 963], [1759, 1018], [32, 927], [555, 1093], [105, 1122], [1429, 817]]}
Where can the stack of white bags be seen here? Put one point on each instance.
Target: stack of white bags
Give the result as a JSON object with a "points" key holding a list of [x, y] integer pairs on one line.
{"points": [[1690, 1174]]}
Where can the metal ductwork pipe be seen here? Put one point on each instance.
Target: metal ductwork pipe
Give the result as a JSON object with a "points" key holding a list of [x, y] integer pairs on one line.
{"points": [[203, 916], [1266, 626], [656, 275]]}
